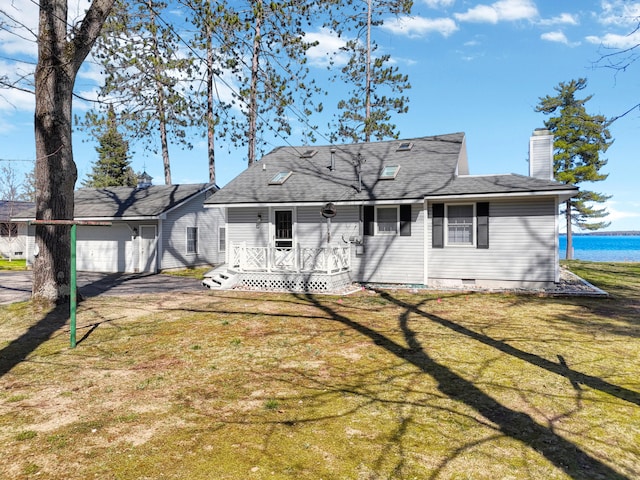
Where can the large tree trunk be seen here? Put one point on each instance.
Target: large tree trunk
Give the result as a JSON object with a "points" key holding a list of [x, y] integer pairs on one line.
{"points": [[211, 121], [569, 254], [253, 89], [59, 57]]}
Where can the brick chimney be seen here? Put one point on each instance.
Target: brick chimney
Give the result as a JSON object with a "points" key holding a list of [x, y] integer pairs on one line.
{"points": [[541, 154]]}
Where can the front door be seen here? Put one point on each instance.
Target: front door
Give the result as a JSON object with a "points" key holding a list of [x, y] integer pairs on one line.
{"points": [[148, 248], [283, 239]]}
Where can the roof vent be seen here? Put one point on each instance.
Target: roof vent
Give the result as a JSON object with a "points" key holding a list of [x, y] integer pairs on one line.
{"points": [[308, 153]]}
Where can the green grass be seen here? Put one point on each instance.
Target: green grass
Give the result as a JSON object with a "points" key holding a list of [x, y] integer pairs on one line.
{"points": [[15, 264], [377, 385]]}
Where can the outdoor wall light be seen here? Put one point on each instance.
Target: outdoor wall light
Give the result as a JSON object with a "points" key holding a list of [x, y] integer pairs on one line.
{"points": [[259, 220], [135, 232]]}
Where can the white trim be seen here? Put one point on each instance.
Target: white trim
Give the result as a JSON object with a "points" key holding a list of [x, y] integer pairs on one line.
{"points": [[375, 220], [281, 205], [473, 226], [464, 196]]}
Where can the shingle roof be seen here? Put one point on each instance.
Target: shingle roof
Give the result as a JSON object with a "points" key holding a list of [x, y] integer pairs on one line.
{"points": [[429, 168], [123, 202], [490, 184], [10, 209]]}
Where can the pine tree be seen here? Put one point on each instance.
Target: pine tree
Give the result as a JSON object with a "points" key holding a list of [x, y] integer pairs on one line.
{"points": [[113, 168], [143, 62], [376, 84], [579, 141]]}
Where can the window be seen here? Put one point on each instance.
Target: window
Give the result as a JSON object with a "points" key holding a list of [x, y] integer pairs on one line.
{"points": [[460, 225], [279, 178], [222, 239], [389, 172], [192, 240], [384, 220], [387, 220], [8, 229]]}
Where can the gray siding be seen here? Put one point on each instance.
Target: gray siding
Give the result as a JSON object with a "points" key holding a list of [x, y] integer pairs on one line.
{"points": [[522, 246], [392, 258], [173, 234], [386, 259]]}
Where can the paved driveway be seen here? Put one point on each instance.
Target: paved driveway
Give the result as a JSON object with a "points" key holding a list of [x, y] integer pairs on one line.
{"points": [[16, 286]]}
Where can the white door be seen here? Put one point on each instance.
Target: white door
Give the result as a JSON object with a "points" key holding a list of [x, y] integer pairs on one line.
{"points": [[148, 252], [284, 254]]}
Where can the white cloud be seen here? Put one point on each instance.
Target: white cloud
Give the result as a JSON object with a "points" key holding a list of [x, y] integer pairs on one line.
{"points": [[420, 26], [328, 49], [562, 19], [558, 37], [502, 10], [620, 12], [612, 40], [438, 3]]}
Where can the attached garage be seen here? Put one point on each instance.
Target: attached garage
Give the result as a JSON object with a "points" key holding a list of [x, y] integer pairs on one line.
{"points": [[105, 249]]}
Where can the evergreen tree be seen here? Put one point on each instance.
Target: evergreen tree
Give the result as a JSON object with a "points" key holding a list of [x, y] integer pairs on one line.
{"points": [[579, 141], [263, 44], [376, 84], [144, 66], [112, 169]]}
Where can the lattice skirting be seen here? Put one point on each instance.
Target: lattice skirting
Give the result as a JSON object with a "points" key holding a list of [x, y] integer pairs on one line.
{"points": [[294, 282]]}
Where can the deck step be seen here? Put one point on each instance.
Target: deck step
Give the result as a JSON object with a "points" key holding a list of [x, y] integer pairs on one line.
{"points": [[220, 279]]}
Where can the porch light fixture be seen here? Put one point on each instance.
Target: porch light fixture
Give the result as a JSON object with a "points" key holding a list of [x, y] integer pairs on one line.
{"points": [[135, 232], [258, 220]]}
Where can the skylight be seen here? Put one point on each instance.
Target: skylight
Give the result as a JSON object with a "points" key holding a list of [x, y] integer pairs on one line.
{"points": [[280, 177], [389, 172], [405, 147], [308, 153]]}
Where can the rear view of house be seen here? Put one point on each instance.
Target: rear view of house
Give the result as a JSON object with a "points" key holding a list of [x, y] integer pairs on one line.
{"points": [[395, 212]]}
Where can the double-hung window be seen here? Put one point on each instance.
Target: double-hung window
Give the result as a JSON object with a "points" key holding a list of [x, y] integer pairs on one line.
{"points": [[460, 225], [192, 240], [387, 220]]}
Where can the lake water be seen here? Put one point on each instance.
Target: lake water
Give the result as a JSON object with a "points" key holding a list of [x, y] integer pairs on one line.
{"points": [[603, 248]]}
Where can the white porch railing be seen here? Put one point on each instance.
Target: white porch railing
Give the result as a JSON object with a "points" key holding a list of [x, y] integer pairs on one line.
{"points": [[331, 259]]}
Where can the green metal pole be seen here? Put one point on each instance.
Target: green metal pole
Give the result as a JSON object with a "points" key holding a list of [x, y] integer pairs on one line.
{"points": [[72, 293]]}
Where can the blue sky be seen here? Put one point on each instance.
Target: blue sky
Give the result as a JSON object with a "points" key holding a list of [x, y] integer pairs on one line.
{"points": [[476, 67]]}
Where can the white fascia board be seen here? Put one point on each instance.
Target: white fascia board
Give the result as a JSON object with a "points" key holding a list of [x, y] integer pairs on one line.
{"points": [[188, 199], [315, 204], [562, 194], [119, 219]]}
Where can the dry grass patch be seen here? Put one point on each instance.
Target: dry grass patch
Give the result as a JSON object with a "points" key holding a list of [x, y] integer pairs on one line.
{"points": [[378, 385]]}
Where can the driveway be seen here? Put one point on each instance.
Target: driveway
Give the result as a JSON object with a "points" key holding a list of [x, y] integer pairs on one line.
{"points": [[16, 286]]}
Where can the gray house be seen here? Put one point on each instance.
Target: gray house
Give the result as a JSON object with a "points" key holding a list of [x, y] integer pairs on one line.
{"points": [[13, 234], [153, 228], [393, 212]]}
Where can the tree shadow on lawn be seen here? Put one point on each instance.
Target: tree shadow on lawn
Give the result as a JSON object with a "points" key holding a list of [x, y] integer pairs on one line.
{"points": [[565, 455], [19, 349]]}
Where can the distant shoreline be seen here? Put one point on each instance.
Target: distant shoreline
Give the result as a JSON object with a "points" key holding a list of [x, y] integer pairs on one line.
{"points": [[629, 233]]}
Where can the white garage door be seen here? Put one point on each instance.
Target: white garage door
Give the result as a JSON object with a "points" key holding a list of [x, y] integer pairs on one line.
{"points": [[104, 249]]}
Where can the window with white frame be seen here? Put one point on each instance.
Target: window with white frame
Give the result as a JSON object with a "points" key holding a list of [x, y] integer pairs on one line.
{"points": [[8, 230], [387, 220], [460, 221], [192, 240]]}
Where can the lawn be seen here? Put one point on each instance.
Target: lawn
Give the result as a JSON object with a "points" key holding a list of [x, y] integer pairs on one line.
{"points": [[376, 385], [15, 264]]}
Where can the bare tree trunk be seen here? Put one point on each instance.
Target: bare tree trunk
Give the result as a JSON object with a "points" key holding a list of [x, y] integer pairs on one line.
{"points": [[253, 92], [367, 116], [59, 58], [211, 121], [569, 255]]}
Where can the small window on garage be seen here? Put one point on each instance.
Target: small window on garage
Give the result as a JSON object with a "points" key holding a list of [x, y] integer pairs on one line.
{"points": [[192, 240]]}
